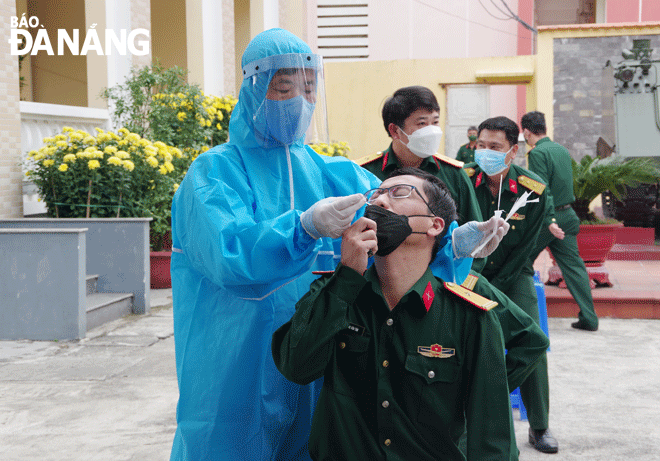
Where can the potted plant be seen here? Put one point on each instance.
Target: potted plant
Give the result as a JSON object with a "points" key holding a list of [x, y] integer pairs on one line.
{"points": [[591, 178], [161, 106]]}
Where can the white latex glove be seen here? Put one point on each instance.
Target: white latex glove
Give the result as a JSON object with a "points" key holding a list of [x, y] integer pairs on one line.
{"points": [[331, 216], [479, 239]]}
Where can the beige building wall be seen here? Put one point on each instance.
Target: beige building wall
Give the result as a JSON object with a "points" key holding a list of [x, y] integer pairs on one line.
{"points": [[11, 180], [356, 91]]}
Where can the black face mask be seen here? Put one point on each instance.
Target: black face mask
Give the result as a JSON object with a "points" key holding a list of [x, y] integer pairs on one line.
{"points": [[391, 228]]}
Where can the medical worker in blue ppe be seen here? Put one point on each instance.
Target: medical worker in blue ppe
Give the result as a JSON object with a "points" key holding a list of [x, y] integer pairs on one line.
{"points": [[251, 221]]}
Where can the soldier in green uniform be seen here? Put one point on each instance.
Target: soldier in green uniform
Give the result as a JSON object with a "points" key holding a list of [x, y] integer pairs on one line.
{"points": [[408, 111], [552, 163], [498, 184], [466, 152], [407, 359]]}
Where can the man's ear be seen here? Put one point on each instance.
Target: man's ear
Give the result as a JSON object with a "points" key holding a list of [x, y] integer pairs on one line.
{"points": [[393, 129], [437, 227], [514, 151]]}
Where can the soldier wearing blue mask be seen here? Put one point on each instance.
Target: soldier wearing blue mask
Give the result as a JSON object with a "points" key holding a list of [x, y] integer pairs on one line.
{"points": [[498, 184]]}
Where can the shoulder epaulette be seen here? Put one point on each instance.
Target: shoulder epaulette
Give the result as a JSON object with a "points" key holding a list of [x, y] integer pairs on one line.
{"points": [[449, 160], [532, 184], [369, 158], [470, 171], [470, 282], [470, 296]]}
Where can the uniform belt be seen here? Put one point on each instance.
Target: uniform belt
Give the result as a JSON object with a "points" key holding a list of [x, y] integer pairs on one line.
{"points": [[562, 207]]}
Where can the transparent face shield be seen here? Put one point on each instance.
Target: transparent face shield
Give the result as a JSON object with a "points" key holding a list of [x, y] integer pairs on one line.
{"points": [[294, 107]]}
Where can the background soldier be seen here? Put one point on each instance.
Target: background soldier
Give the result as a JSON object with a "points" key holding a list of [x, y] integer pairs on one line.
{"points": [[552, 163]]}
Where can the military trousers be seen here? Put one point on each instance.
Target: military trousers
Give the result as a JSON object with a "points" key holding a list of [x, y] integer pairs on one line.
{"points": [[535, 391], [568, 259]]}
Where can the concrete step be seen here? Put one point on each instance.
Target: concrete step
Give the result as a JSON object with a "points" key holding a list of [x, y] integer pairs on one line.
{"points": [[92, 281], [608, 302], [634, 252], [105, 307]]}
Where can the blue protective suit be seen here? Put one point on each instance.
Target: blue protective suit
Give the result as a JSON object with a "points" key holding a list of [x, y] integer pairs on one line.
{"points": [[241, 260]]}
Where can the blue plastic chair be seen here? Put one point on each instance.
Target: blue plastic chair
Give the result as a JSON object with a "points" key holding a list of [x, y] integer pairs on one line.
{"points": [[516, 399]]}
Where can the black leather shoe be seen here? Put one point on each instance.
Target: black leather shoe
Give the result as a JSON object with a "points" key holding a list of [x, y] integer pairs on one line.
{"points": [[580, 325], [543, 441]]}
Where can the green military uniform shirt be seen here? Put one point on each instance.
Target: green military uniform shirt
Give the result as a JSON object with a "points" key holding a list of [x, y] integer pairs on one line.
{"points": [[509, 258], [552, 162], [466, 153], [524, 339], [444, 168], [399, 384]]}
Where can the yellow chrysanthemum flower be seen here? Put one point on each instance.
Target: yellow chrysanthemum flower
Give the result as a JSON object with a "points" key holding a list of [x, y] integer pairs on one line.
{"points": [[152, 162], [169, 166], [175, 187], [123, 131], [167, 157], [99, 130], [93, 164], [160, 145], [123, 155], [60, 137], [181, 116], [162, 169], [114, 161], [133, 137], [69, 158], [110, 149], [67, 129], [220, 116], [49, 140], [75, 136], [63, 167], [48, 163], [89, 140], [127, 164], [32, 153]]}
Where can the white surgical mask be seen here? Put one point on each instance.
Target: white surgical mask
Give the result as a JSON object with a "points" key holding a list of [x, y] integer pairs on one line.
{"points": [[424, 142]]}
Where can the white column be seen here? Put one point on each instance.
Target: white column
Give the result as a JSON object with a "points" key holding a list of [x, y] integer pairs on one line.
{"points": [[271, 14], [117, 14], [212, 42]]}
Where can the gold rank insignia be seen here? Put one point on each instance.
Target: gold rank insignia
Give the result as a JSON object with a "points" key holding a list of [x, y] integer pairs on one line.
{"points": [[436, 351], [470, 296], [517, 217], [368, 158], [532, 184], [470, 171], [470, 282], [449, 160]]}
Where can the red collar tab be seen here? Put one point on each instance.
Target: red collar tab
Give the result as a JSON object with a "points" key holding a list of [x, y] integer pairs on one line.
{"points": [[513, 186], [428, 296], [479, 179], [387, 154]]}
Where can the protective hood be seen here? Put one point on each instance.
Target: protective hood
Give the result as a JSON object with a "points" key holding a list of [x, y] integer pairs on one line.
{"points": [[267, 53]]}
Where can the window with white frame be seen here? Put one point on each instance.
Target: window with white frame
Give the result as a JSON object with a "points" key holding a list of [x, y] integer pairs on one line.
{"points": [[342, 28]]}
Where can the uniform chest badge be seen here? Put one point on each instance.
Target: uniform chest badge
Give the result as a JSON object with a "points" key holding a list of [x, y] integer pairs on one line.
{"points": [[517, 217], [428, 296], [513, 186], [436, 351]]}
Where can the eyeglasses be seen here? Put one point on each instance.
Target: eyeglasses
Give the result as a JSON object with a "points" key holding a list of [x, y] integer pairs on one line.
{"points": [[395, 192]]}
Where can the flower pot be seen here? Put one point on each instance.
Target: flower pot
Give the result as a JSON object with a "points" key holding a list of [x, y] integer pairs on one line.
{"points": [[160, 269], [595, 242]]}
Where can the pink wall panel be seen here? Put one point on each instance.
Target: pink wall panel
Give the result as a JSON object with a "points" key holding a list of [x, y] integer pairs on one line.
{"points": [[623, 10], [650, 10]]}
